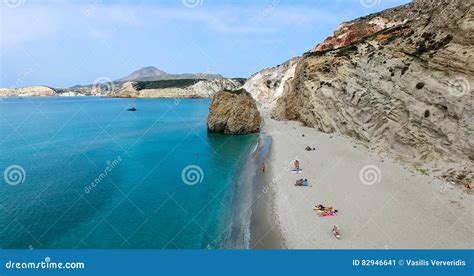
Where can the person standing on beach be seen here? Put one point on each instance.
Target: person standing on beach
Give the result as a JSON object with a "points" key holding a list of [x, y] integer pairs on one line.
{"points": [[263, 167], [297, 165]]}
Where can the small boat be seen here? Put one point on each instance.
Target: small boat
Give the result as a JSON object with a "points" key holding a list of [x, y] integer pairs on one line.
{"points": [[132, 109]]}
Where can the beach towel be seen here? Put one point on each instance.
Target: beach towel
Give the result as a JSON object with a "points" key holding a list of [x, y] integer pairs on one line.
{"points": [[327, 214], [296, 171], [303, 185]]}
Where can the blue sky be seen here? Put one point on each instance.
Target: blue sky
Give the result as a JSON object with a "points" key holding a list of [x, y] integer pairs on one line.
{"points": [[64, 43]]}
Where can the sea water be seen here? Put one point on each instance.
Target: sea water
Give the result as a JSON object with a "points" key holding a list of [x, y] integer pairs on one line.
{"points": [[83, 172]]}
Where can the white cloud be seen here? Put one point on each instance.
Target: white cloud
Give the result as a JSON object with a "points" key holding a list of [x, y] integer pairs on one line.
{"points": [[35, 21]]}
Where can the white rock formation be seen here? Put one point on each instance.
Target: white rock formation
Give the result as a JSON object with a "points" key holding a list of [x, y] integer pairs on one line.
{"points": [[269, 84], [28, 91]]}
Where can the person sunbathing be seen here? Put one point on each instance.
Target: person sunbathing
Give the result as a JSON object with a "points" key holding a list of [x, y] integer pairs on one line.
{"points": [[319, 207], [302, 182], [467, 186], [328, 210]]}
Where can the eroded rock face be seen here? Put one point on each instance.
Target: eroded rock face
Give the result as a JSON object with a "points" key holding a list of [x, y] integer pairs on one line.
{"points": [[233, 112], [359, 29], [269, 84], [29, 91], [199, 89], [405, 87]]}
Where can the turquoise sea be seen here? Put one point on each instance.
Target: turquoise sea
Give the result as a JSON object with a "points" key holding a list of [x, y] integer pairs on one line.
{"points": [[83, 172]]}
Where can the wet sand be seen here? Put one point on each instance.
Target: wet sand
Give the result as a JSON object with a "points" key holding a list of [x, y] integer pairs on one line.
{"points": [[265, 232]]}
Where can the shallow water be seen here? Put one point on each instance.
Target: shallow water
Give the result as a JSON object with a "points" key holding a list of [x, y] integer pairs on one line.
{"points": [[98, 176]]}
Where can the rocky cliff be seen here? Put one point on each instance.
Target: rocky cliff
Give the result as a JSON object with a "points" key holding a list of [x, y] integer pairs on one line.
{"points": [[182, 88], [233, 112], [28, 91], [166, 88], [400, 81], [270, 84]]}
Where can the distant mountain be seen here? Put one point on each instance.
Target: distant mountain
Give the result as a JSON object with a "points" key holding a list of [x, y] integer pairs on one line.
{"points": [[151, 73], [145, 72]]}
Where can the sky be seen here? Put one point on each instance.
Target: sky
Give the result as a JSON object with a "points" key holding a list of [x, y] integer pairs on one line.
{"points": [[65, 43]]}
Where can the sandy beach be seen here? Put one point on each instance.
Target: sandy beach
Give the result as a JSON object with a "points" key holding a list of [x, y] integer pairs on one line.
{"points": [[388, 206]]}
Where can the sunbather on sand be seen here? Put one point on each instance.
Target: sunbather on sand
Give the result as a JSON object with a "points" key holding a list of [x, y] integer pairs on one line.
{"points": [[302, 182], [321, 208]]}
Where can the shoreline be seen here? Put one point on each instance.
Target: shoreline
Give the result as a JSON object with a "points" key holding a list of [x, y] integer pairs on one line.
{"points": [[251, 218], [400, 209], [264, 230]]}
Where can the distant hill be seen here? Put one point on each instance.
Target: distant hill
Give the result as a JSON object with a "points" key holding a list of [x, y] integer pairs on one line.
{"points": [[145, 72], [147, 82], [151, 73]]}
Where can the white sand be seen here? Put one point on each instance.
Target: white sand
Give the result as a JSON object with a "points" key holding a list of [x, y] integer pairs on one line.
{"points": [[405, 209]]}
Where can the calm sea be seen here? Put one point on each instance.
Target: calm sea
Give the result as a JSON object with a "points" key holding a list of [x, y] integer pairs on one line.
{"points": [[83, 172]]}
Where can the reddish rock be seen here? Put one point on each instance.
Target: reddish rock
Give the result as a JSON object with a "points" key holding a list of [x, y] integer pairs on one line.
{"points": [[354, 31]]}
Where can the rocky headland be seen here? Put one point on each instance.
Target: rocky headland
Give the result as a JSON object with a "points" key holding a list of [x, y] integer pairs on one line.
{"points": [[179, 88], [28, 91], [147, 82]]}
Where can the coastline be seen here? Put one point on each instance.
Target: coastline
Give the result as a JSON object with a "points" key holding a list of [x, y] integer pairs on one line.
{"points": [[264, 230], [252, 215], [400, 209]]}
